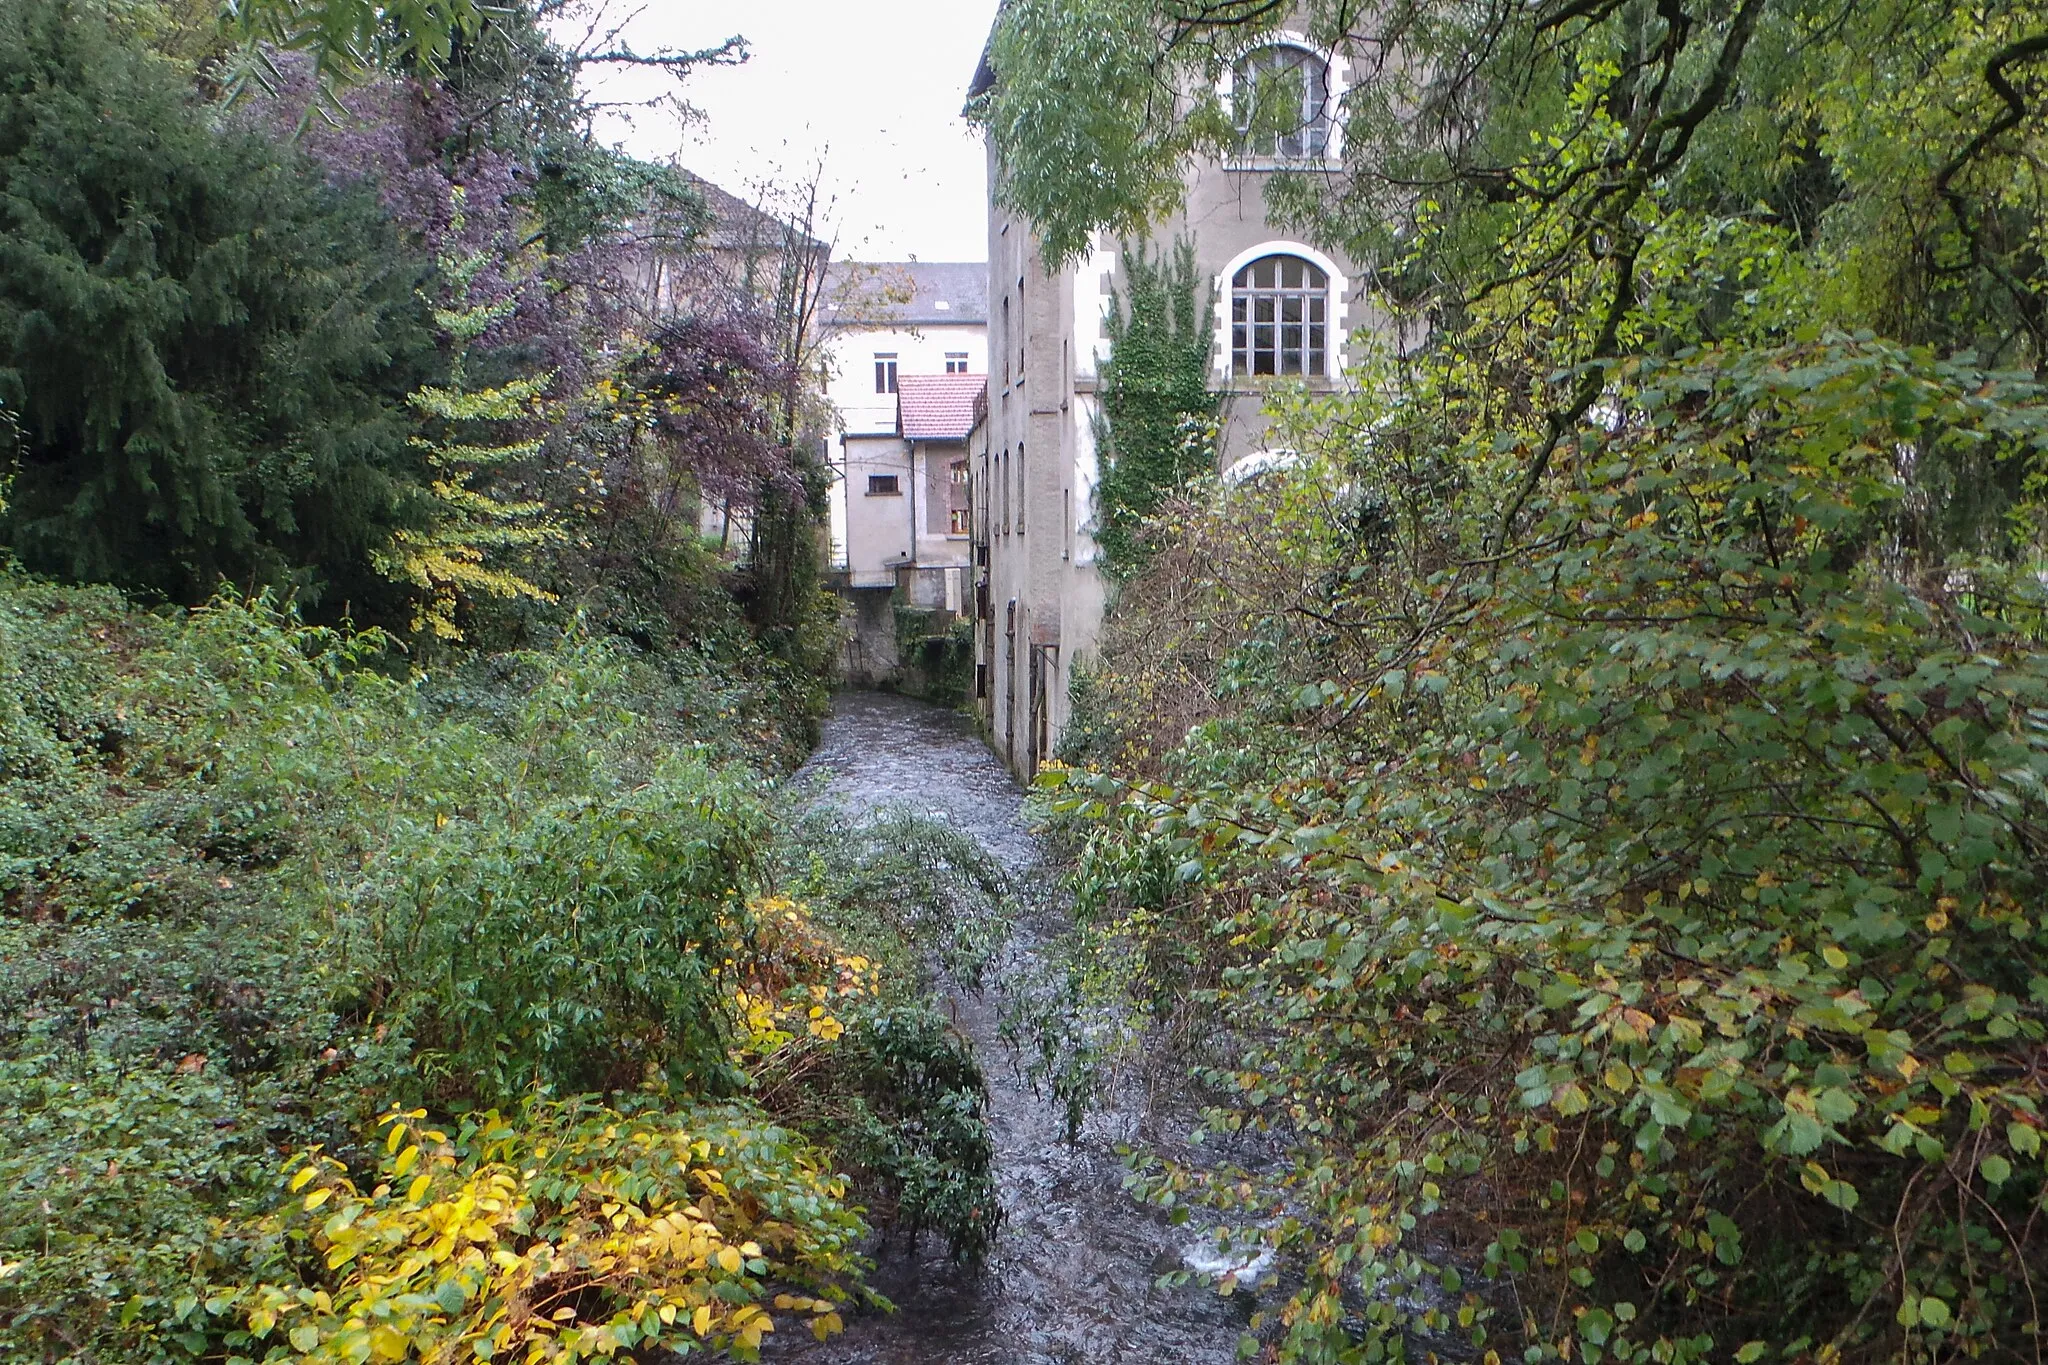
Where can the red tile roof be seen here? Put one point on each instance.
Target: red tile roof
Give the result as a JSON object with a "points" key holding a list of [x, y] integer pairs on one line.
{"points": [[937, 407]]}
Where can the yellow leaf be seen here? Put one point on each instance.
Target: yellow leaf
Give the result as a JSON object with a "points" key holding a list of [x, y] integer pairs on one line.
{"points": [[396, 1136], [386, 1343], [825, 1326], [317, 1198], [701, 1321], [418, 1189], [261, 1321], [729, 1260], [407, 1159], [303, 1178]]}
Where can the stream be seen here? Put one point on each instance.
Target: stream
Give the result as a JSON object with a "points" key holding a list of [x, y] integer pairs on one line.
{"points": [[1071, 1278]]}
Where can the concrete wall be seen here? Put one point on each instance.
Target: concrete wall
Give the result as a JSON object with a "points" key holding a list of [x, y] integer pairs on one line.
{"points": [[1033, 480], [879, 536], [878, 529]]}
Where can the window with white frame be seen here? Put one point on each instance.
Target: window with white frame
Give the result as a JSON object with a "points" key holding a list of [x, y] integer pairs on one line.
{"points": [[956, 362], [1279, 317], [1280, 98], [885, 372]]}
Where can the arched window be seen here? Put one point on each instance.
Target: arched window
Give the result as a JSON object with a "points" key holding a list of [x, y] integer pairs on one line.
{"points": [[1281, 98], [1279, 317]]}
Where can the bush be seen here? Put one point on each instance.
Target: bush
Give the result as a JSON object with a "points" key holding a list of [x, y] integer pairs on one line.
{"points": [[570, 1232], [1635, 939], [254, 887]]}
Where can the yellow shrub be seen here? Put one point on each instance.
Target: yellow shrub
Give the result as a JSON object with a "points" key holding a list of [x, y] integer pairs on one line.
{"points": [[575, 1233]]}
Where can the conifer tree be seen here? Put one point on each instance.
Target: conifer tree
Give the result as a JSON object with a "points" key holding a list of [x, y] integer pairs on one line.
{"points": [[457, 554], [206, 344]]}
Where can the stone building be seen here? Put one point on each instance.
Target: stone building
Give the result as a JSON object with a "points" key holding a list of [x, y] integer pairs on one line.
{"points": [[1285, 311]]}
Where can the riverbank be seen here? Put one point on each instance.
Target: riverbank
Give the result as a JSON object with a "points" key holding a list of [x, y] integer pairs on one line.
{"points": [[304, 954]]}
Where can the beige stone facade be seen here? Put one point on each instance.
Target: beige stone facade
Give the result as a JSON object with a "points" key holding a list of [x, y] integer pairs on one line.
{"points": [[1039, 592]]}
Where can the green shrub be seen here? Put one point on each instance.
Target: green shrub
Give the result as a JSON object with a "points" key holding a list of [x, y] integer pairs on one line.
{"points": [[1637, 944], [578, 949], [255, 886]]}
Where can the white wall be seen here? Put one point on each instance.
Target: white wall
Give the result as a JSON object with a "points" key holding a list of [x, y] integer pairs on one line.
{"points": [[850, 357], [850, 389]]}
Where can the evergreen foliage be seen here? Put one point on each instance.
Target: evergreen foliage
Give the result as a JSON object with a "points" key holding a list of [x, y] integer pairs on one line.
{"points": [[207, 346], [1157, 425]]}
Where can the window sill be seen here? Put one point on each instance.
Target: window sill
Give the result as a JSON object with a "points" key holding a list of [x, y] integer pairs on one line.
{"points": [[896, 494], [1325, 165]]}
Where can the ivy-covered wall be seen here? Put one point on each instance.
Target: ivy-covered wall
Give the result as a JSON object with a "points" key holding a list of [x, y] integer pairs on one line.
{"points": [[1157, 427]]}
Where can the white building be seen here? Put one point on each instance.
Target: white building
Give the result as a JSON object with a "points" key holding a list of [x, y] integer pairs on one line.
{"points": [[888, 324]]}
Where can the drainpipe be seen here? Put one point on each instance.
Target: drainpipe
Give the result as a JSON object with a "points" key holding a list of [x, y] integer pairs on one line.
{"points": [[912, 476]]}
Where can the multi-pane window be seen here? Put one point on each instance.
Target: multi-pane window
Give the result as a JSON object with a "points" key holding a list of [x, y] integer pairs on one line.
{"points": [[883, 485], [1279, 317], [956, 362], [1281, 97], [885, 372]]}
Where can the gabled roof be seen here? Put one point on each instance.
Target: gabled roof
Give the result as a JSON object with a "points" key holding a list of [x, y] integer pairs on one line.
{"points": [[937, 407], [737, 225], [906, 294]]}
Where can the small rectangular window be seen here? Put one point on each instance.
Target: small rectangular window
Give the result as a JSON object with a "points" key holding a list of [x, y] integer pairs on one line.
{"points": [[956, 362], [885, 372], [883, 485], [957, 524]]}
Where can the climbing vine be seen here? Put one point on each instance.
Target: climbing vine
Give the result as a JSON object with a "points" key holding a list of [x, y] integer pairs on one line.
{"points": [[1157, 427]]}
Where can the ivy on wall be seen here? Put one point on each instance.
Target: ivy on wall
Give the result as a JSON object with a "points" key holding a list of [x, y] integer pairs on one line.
{"points": [[1157, 427]]}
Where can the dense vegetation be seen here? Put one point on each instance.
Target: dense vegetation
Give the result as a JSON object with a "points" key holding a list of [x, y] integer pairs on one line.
{"points": [[262, 897], [1157, 426], [1583, 827], [406, 948]]}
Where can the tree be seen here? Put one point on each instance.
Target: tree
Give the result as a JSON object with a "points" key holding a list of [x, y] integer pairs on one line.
{"points": [[457, 555], [1888, 142], [207, 344]]}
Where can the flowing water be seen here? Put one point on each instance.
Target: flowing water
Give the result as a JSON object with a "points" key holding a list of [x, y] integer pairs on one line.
{"points": [[1071, 1279]]}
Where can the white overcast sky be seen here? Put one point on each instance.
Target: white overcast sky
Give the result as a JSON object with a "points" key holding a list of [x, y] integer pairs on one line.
{"points": [[874, 89]]}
